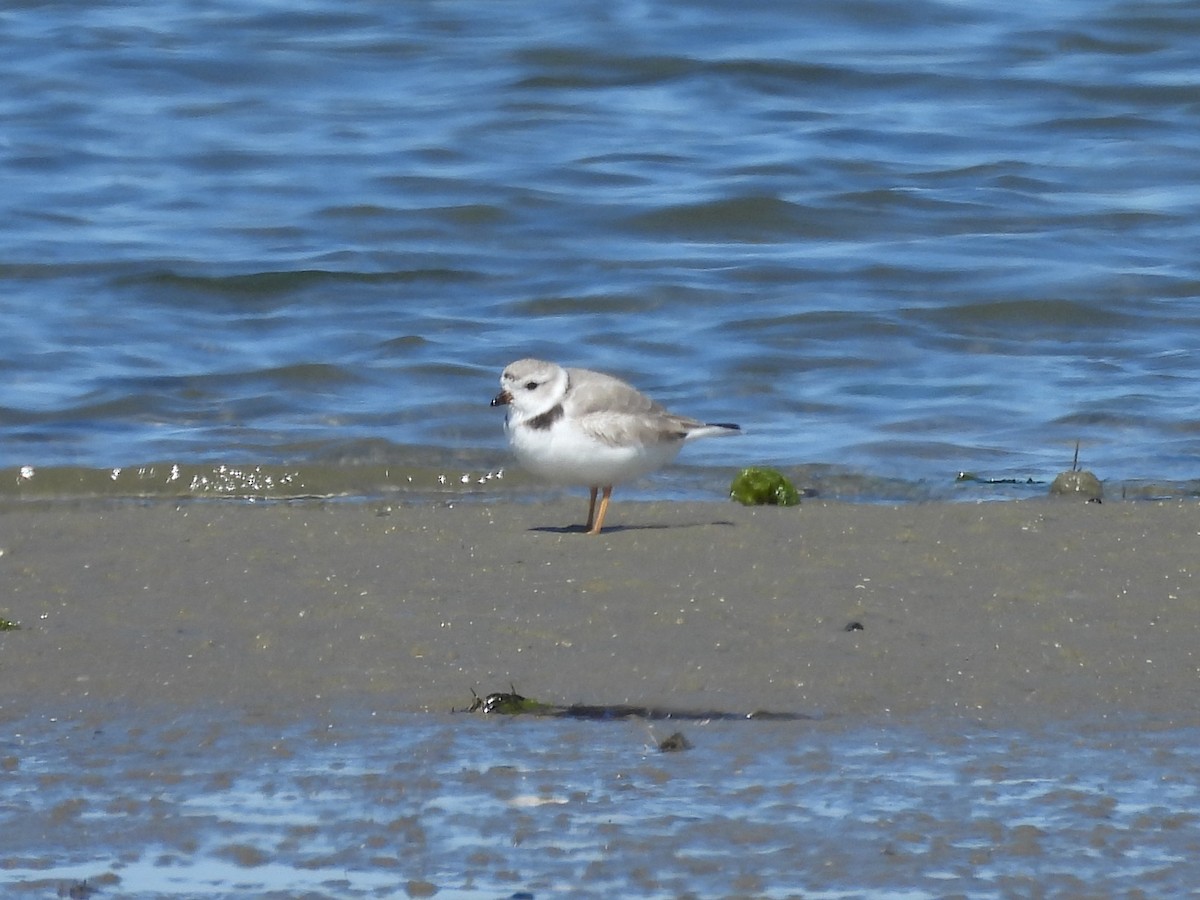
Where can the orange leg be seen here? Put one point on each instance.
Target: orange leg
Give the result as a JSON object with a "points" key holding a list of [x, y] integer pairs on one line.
{"points": [[593, 527]]}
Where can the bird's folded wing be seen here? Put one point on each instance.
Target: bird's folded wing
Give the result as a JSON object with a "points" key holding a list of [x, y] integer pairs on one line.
{"points": [[635, 430]]}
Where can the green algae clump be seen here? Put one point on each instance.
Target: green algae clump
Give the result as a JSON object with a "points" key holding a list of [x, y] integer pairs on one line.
{"points": [[763, 487], [508, 703]]}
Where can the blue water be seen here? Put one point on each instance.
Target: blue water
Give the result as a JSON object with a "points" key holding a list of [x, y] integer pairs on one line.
{"points": [[897, 241], [461, 807]]}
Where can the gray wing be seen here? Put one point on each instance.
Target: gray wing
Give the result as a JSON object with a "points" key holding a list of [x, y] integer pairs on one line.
{"points": [[616, 413]]}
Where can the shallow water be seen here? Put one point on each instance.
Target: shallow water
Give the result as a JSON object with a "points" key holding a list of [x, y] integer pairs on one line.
{"points": [[383, 805], [904, 240]]}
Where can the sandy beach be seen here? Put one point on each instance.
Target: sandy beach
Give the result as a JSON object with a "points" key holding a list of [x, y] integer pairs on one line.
{"points": [[994, 611]]}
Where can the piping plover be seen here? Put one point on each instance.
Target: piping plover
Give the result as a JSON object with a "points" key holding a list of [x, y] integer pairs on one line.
{"points": [[576, 426]]}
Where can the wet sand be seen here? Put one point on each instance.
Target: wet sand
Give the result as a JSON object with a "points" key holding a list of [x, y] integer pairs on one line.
{"points": [[998, 611]]}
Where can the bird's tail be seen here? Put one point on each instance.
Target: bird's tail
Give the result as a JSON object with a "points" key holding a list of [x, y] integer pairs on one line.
{"points": [[714, 429]]}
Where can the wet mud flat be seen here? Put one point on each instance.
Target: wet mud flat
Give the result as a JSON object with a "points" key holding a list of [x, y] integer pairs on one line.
{"points": [[356, 805], [1047, 608]]}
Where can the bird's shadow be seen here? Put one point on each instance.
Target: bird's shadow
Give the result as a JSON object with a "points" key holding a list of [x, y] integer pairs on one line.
{"points": [[617, 529]]}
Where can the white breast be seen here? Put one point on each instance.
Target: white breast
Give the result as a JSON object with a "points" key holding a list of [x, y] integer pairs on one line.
{"points": [[565, 454]]}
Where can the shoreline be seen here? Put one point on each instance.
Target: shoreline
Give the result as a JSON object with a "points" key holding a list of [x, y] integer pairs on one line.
{"points": [[995, 611], [489, 478]]}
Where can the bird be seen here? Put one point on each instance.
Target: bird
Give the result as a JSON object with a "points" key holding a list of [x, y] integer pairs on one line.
{"points": [[577, 426]]}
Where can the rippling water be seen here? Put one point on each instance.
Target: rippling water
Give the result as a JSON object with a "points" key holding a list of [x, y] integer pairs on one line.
{"points": [[896, 241], [468, 808]]}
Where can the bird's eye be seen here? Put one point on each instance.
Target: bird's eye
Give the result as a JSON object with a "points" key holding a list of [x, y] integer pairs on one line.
{"points": [[531, 385]]}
